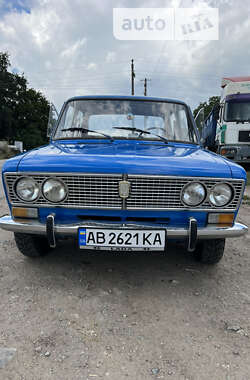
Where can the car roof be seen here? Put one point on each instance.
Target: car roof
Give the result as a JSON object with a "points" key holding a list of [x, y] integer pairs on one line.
{"points": [[126, 97]]}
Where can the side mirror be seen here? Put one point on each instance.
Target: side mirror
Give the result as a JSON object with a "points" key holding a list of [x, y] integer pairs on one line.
{"points": [[216, 112], [53, 117]]}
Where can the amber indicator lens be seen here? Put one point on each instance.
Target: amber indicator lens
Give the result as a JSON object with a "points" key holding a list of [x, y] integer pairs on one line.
{"points": [[24, 212], [221, 219]]}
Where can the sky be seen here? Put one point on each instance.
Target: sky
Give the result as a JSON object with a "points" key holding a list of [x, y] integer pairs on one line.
{"points": [[67, 48]]}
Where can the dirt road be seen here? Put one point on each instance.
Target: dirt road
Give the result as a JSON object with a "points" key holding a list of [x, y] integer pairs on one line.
{"points": [[73, 315]]}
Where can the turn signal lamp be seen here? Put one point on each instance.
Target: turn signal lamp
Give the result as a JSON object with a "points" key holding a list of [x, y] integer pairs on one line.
{"points": [[24, 212], [222, 220]]}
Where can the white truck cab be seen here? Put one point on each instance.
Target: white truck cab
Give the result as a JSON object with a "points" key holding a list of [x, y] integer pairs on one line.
{"points": [[233, 128]]}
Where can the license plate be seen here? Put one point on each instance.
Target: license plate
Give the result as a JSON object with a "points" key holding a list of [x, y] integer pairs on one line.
{"points": [[121, 240]]}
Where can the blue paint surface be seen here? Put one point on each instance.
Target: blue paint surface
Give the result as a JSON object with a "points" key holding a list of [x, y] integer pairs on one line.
{"points": [[175, 218], [132, 157]]}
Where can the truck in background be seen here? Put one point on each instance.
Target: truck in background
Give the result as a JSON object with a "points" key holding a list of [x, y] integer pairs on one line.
{"points": [[226, 130]]}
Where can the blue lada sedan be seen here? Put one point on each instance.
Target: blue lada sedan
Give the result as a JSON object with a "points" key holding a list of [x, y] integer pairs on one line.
{"points": [[123, 173]]}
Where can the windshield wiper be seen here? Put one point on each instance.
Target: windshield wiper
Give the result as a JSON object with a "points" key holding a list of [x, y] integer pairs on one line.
{"points": [[84, 130], [141, 131]]}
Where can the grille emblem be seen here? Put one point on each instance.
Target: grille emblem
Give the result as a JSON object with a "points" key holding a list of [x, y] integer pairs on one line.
{"points": [[124, 187]]}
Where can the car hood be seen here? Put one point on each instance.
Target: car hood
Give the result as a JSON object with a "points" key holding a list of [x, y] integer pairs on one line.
{"points": [[125, 157]]}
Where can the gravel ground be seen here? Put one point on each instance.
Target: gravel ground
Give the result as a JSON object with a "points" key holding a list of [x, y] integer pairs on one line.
{"points": [[74, 315]]}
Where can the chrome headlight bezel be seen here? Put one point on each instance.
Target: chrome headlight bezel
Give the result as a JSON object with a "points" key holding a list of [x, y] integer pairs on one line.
{"points": [[28, 178], [191, 184], [59, 181], [229, 199]]}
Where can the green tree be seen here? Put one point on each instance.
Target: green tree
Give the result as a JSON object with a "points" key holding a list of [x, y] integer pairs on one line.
{"points": [[23, 111], [208, 106], [4, 61]]}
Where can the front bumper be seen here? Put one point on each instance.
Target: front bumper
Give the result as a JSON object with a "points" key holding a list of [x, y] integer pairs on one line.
{"points": [[237, 153], [35, 227]]}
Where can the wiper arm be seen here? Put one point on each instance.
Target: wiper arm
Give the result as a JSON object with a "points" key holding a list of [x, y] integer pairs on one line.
{"points": [[84, 130], [141, 131]]}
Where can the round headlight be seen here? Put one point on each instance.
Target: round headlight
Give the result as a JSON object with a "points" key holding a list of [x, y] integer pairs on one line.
{"points": [[27, 189], [54, 190], [193, 194], [221, 194]]}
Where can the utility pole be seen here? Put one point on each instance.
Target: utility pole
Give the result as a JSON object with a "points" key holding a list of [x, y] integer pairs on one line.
{"points": [[132, 78], [145, 85]]}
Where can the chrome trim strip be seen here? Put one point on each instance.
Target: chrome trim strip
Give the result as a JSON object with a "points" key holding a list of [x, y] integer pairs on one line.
{"points": [[228, 210], [121, 175], [35, 227], [50, 205], [185, 177], [66, 173], [211, 210]]}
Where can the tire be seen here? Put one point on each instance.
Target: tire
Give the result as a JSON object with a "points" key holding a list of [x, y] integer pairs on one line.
{"points": [[32, 245], [209, 251]]}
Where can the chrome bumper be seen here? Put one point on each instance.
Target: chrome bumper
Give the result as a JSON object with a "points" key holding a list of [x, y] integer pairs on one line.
{"points": [[35, 227]]}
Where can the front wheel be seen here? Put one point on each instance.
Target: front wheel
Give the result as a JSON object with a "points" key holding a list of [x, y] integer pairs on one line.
{"points": [[209, 251], [32, 245]]}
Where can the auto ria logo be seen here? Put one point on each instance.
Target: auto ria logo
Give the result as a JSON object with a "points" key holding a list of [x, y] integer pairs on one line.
{"points": [[166, 23]]}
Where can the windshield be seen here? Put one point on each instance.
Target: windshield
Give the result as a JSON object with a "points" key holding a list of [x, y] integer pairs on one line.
{"points": [[237, 111], [168, 120]]}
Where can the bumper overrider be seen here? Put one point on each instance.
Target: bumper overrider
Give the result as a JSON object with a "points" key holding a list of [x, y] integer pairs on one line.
{"points": [[53, 230]]}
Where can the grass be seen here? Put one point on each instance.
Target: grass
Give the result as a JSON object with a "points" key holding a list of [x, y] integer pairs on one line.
{"points": [[246, 200]]}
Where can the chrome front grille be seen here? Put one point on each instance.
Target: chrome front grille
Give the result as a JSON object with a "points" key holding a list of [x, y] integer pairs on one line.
{"points": [[84, 191], [95, 191], [159, 192]]}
